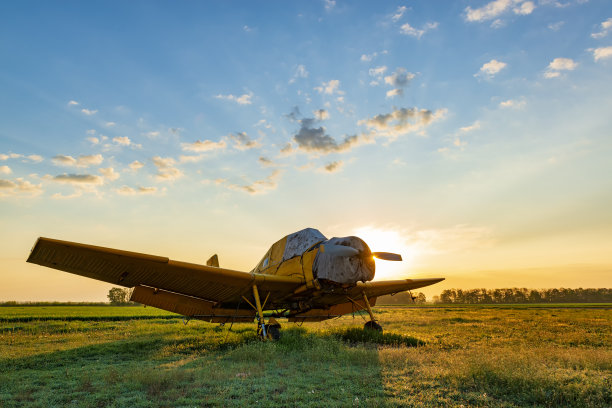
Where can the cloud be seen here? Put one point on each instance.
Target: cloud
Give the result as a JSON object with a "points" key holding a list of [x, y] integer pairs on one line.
{"points": [[496, 8], [559, 64], [556, 26], [602, 53], [73, 103], [300, 72], [203, 146], [378, 71], [395, 92], [93, 140], [401, 121], [244, 99], [368, 57], [264, 161], [333, 166], [109, 173], [398, 13], [136, 165], [242, 141], [81, 161], [5, 170], [165, 169], [190, 158], [400, 79], [512, 104], [152, 135], [470, 128], [110, 124], [266, 185], [330, 87], [407, 29], [126, 190], [19, 187], [330, 4], [489, 69], [10, 156], [89, 112], [313, 139], [524, 8], [79, 179], [606, 26], [247, 29], [321, 114], [122, 140]]}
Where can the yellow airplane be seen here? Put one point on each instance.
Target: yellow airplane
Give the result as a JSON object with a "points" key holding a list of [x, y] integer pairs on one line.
{"points": [[303, 277]]}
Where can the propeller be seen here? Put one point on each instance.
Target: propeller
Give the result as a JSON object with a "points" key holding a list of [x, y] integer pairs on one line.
{"points": [[346, 251], [338, 250], [387, 256]]}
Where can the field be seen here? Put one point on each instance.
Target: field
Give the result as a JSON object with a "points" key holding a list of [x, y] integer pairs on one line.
{"points": [[459, 356]]}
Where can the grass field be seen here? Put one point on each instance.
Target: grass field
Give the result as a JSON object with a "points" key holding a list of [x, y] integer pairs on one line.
{"points": [[445, 356]]}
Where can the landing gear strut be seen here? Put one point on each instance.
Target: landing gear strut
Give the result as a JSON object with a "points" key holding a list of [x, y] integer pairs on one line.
{"points": [[270, 330], [372, 324]]}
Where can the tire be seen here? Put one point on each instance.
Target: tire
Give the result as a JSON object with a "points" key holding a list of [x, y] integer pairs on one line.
{"points": [[372, 325], [273, 331]]}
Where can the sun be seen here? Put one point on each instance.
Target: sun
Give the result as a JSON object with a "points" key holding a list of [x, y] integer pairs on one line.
{"points": [[389, 240]]}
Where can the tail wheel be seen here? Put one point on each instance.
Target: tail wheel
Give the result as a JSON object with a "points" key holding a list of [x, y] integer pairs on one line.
{"points": [[372, 325]]}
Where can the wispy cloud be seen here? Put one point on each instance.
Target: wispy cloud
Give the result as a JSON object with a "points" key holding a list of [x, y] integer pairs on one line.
{"points": [[558, 65], [73, 103], [604, 29], [203, 146], [490, 69], [89, 112], [329, 88], [398, 13], [264, 186], [81, 161], [299, 72], [407, 29], [264, 161], [244, 99], [126, 190], [513, 104]]}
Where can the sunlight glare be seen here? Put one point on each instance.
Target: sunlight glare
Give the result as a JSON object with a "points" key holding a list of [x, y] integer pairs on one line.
{"points": [[388, 240]]}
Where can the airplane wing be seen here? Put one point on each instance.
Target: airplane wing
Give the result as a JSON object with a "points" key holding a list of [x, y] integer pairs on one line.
{"points": [[133, 269], [380, 288]]}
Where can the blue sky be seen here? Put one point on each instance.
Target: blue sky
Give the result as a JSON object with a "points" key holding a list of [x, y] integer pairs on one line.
{"points": [[473, 136]]}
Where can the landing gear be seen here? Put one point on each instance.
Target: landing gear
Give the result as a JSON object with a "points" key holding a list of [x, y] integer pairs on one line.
{"points": [[372, 325], [273, 329]]}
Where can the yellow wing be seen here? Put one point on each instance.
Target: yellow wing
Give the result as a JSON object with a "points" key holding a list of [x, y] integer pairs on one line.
{"points": [[133, 269]]}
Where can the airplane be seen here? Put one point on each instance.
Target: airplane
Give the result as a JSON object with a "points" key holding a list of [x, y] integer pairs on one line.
{"points": [[303, 277]]}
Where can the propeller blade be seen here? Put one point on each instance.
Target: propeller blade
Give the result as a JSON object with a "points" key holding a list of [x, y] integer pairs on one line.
{"points": [[387, 256], [338, 250]]}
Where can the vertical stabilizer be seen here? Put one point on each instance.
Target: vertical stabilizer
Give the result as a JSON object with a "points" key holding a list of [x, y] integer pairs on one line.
{"points": [[213, 261]]}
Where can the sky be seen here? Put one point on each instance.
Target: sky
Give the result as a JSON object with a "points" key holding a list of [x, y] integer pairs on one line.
{"points": [[473, 137]]}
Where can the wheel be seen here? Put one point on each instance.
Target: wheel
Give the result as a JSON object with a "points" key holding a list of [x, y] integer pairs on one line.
{"points": [[372, 325], [273, 331]]}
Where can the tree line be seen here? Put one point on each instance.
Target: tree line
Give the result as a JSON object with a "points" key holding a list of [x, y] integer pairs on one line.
{"points": [[524, 295]]}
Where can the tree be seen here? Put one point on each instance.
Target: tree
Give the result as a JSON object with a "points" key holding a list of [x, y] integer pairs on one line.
{"points": [[118, 296]]}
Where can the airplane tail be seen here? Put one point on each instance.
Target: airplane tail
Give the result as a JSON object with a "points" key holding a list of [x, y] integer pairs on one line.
{"points": [[213, 261]]}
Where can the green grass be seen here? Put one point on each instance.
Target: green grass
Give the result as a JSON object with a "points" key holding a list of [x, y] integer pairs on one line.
{"points": [[448, 356]]}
